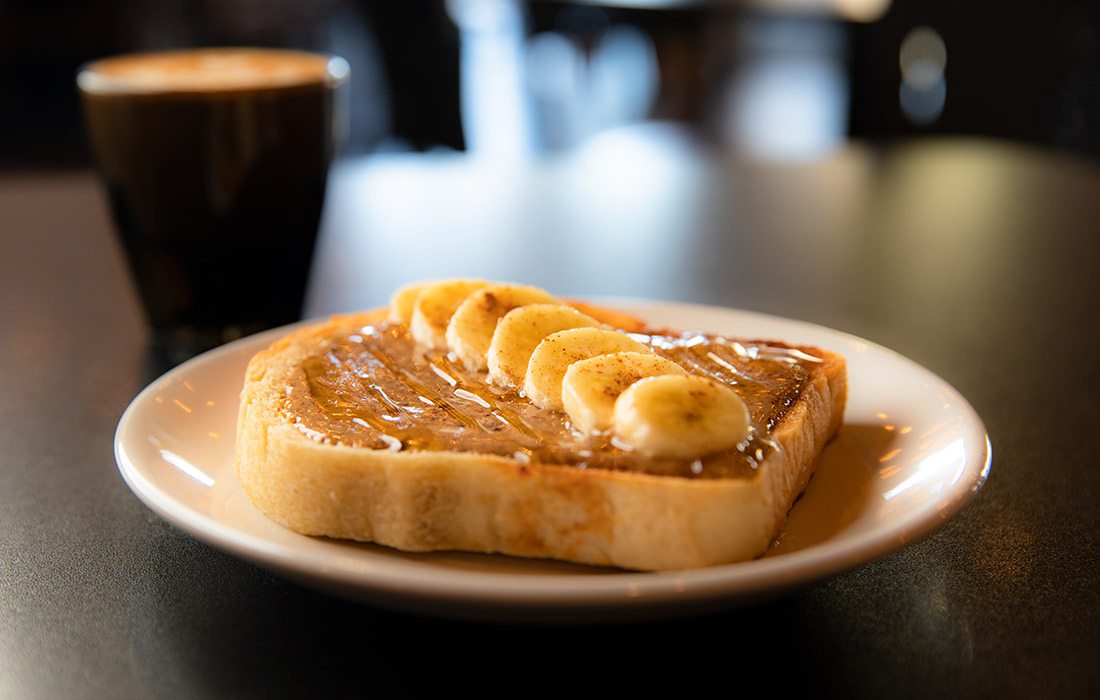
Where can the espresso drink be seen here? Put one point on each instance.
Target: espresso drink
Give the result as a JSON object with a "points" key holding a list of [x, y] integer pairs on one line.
{"points": [[215, 162]]}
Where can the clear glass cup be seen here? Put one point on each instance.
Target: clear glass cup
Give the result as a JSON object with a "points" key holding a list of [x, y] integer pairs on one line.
{"points": [[215, 162]]}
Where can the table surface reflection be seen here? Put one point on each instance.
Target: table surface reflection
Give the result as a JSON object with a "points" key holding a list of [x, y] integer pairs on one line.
{"points": [[976, 259]]}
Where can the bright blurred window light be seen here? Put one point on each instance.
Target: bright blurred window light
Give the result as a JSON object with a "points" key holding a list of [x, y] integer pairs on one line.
{"points": [[577, 95], [789, 98], [496, 118], [923, 61]]}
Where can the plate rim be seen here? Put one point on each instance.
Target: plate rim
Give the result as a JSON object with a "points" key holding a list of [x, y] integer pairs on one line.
{"points": [[616, 589]]}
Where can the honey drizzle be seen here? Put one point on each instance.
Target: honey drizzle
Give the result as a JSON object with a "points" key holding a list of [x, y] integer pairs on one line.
{"points": [[438, 405], [494, 404], [688, 358], [421, 390], [407, 431]]}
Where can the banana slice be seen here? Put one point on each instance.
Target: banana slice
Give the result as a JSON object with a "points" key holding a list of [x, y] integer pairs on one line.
{"points": [[683, 416], [470, 330], [590, 387], [520, 331], [434, 306], [403, 300], [552, 357]]}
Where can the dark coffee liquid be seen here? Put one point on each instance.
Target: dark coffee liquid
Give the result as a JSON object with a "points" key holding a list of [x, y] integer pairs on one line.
{"points": [[217, 193]]}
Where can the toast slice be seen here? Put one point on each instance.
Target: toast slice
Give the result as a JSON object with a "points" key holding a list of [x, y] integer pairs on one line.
{"points": [[351, 429]]}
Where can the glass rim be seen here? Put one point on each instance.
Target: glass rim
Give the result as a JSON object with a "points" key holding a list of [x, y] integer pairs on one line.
{"points": [[91, 79]]}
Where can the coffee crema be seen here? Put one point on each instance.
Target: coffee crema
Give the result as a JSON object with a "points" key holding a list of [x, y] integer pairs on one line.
{"points": [[210, 70]]}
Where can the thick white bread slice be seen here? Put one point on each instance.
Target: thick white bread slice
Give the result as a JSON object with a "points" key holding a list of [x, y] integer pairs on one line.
{"points": [[421, 501]]}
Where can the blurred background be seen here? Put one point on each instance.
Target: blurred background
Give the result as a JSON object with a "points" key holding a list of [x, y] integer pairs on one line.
{"points": [[773, 80]]}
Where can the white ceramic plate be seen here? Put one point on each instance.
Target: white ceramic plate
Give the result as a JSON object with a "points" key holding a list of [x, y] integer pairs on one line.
{"points": [[910, 455]]}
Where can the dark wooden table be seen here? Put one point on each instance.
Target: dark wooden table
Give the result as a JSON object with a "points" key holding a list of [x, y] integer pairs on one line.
{"points": [[979, 260]]}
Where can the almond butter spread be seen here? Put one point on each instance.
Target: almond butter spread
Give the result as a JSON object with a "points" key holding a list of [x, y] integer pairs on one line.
{"points": [[378, 389]]}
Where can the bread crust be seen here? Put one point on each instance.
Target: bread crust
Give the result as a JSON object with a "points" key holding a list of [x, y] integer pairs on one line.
{"points": [[429, 500]]}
